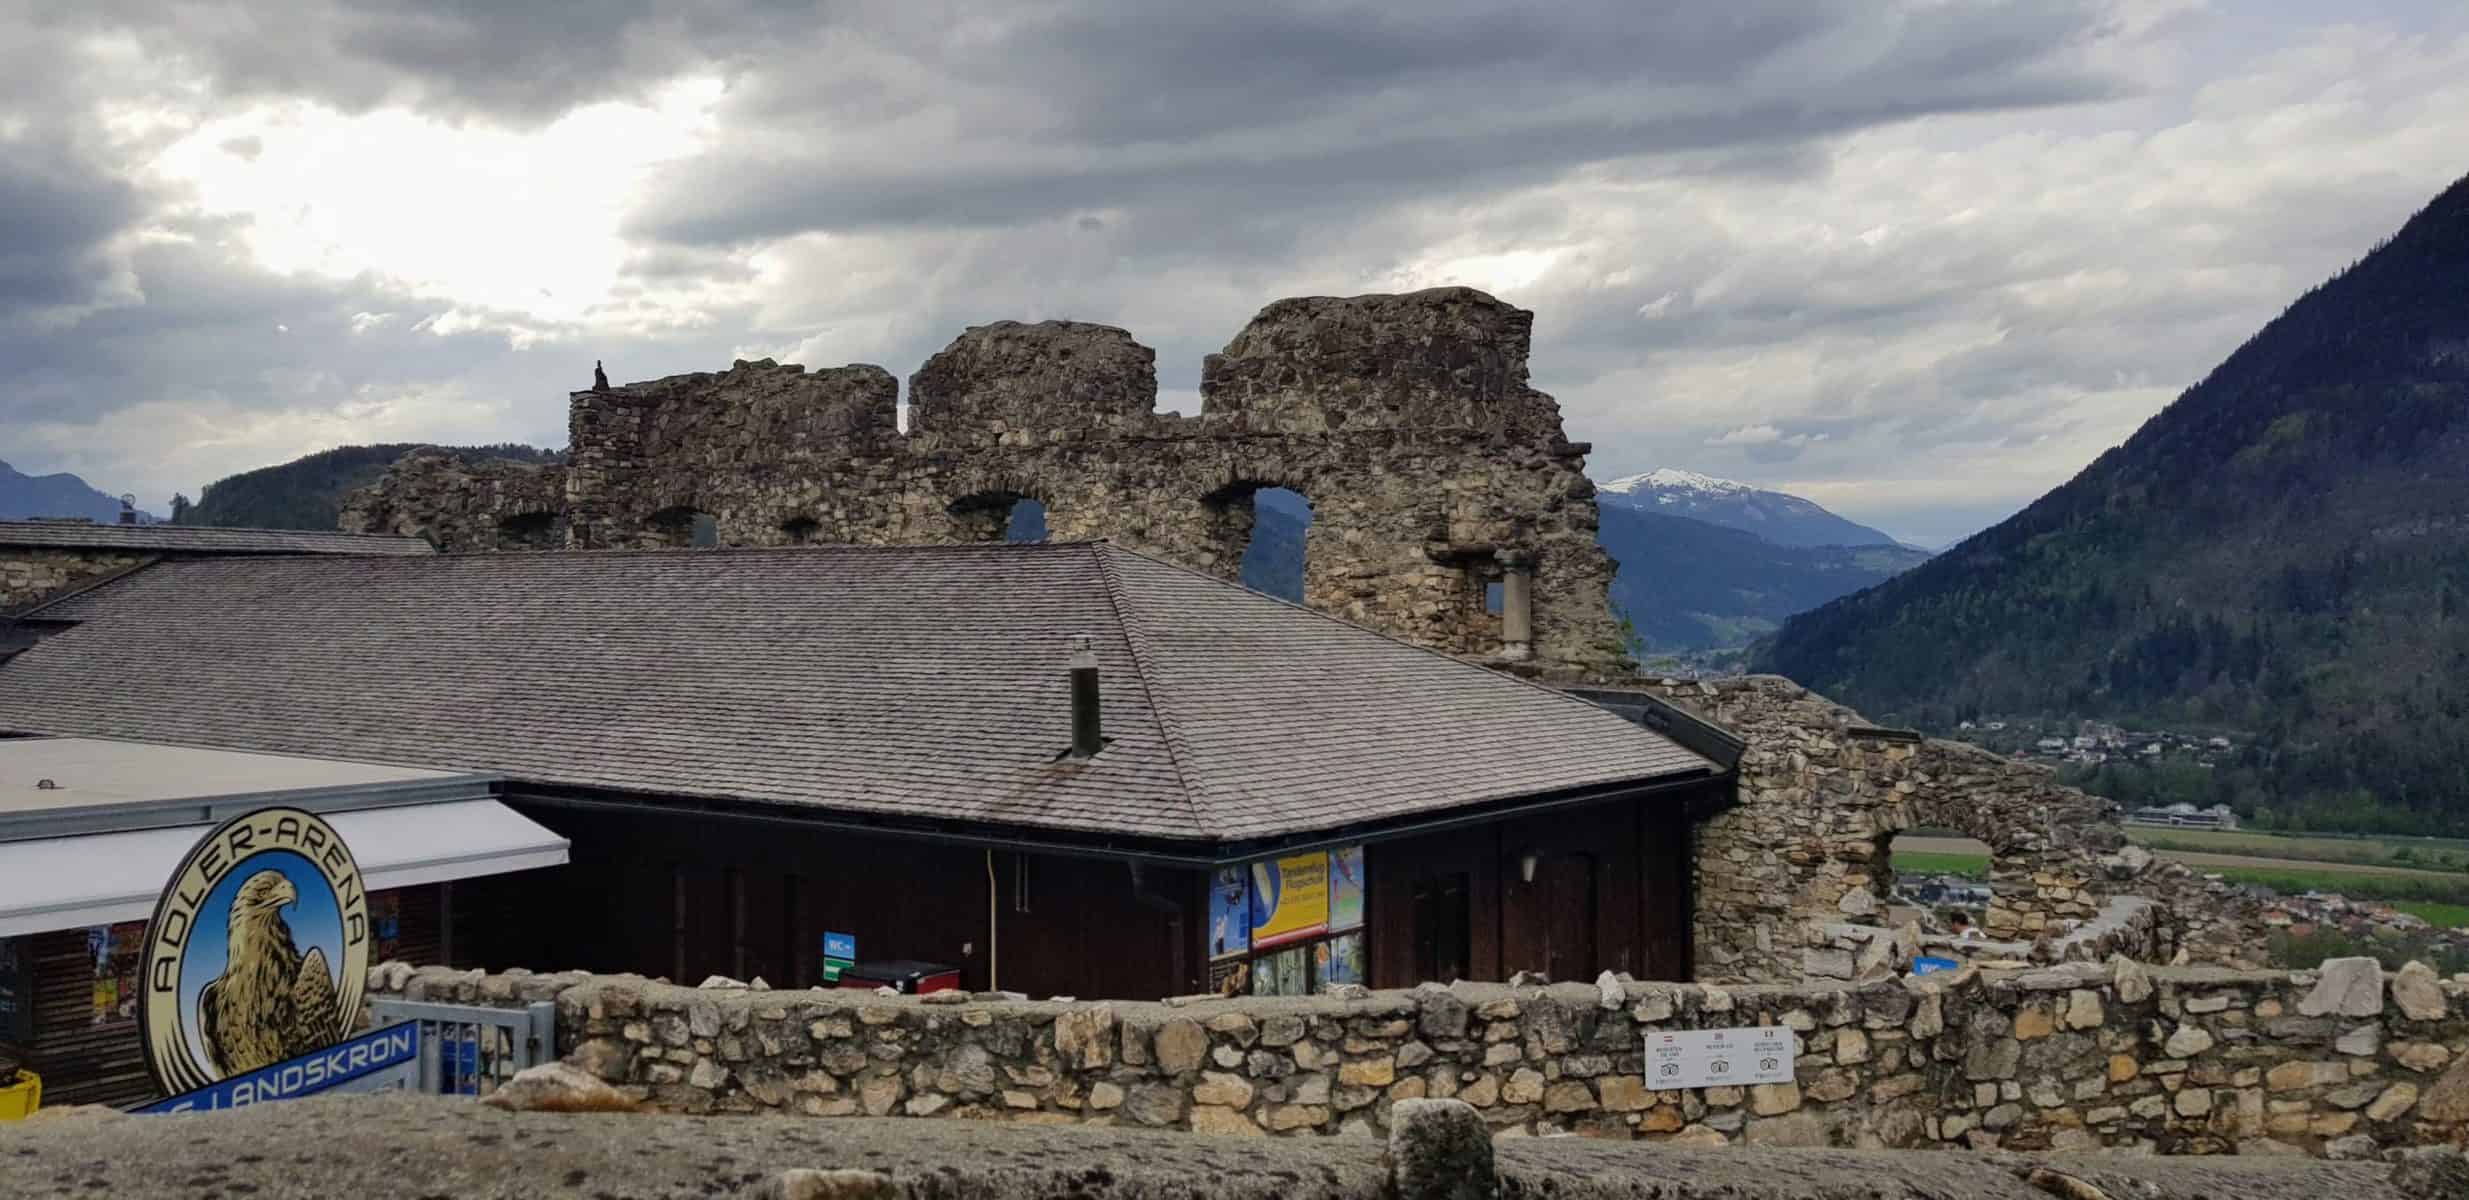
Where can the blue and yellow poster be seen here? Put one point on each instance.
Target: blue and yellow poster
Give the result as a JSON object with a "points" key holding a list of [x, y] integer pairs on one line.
{"points": [[1230, 914], [1290, 899], [1346, 888]]}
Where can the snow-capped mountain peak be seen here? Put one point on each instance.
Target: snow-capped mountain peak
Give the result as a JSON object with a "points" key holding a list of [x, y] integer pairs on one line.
{"points": [[1775, 516], [1673, 479]]}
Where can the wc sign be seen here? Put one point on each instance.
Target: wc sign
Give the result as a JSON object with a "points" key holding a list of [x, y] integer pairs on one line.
{"points": [[1693, 1058]]}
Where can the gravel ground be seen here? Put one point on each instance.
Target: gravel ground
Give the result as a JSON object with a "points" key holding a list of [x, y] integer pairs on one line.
{"points": [[434, 1148]]}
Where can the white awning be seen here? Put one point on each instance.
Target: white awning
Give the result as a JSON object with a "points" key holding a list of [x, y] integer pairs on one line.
{"points": [[100, 878]]}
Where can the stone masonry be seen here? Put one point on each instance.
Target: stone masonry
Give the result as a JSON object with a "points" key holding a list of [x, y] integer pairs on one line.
{"points": [[1822, 797], [2340, 1062], [1406, 420], [28, 574]]}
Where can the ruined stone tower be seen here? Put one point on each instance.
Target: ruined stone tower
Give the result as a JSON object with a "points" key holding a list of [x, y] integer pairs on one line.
{"points": [[1432, 469]]}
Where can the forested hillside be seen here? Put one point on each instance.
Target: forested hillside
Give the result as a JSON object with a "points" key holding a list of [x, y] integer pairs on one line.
{"points": [[2283, 550]]}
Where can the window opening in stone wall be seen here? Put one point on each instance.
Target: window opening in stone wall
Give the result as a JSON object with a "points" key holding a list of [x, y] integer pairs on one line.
{"points": [[1027, 523], [1442, 926], [1000, 516], [1273, 559], [800, 530], [684, 526], [1931, 876], [532, 531], [1491, 597]]}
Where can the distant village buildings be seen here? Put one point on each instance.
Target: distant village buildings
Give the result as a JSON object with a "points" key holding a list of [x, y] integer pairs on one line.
{"points": [[2184, 816]]}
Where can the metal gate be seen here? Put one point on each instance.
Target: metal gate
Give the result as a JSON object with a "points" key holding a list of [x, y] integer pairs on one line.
{"points": [[468, 1050]]}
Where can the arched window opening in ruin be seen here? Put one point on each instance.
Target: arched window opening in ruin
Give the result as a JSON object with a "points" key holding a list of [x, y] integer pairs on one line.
{"points": [[532, 531], [1260, 528], [1273, 560], [683, 527], [798, 531], [1000, 516], [1924, 875], [1027, 524]]}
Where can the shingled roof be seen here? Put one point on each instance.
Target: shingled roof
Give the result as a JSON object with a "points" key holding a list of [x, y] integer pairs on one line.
{"points": [[202, 539], [917, 682]]}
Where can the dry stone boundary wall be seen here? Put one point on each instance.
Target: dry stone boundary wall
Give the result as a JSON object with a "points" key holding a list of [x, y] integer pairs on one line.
{"points": [[2339, 1062]]}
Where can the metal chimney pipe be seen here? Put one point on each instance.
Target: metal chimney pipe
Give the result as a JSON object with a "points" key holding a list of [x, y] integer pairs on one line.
{"points": [[1087, 739]]}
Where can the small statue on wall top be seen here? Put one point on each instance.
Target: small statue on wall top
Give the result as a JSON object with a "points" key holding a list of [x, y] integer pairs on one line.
{"points": [[600, 378]]}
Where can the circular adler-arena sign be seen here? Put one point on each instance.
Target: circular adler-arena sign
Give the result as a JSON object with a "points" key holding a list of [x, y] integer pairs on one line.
{"points": [[258, 951]]}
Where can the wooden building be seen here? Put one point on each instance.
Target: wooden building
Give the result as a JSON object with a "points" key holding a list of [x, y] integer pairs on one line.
{"points": [[1064, 769], [92, 830]]}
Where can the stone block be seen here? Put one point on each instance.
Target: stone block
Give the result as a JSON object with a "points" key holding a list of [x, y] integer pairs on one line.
{"points": [[1770, 1099], [1179, 1045], [2393, 1101], [2415, 991], [1230, 1091], [2187, 1042], [2349, 987], [1223, 1121], [1439, 1150]]}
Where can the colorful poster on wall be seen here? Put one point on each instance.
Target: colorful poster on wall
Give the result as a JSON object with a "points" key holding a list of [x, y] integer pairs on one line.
{"points": [[1230, 913], [1285, 973], [117, 951], [1340, 959], [1346, 888], [1290, 899], [386, 924]]}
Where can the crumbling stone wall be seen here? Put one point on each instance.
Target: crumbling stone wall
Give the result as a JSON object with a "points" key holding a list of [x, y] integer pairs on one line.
{"points": [[494, 504], [1406, 421], [28, 574], [2341, 1062], [1822, 796]]}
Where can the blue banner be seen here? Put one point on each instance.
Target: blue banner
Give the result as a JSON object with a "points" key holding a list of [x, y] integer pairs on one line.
{"points": [[367, 1054]]}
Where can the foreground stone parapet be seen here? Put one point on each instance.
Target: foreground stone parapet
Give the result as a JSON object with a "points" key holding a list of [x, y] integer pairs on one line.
{"points": [[401, 1147], [2076, 1056]]}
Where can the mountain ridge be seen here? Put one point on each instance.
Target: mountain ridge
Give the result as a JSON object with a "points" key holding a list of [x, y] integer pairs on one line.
{"points": [[2281, 549], [1779, 517], [58, 494]]}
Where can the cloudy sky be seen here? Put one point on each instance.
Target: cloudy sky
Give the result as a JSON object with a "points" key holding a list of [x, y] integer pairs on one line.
{"points": [[1919, 260]]}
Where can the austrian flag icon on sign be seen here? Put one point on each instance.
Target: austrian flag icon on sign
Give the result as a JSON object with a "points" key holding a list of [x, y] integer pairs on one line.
{"points": [[1689, 1058]]}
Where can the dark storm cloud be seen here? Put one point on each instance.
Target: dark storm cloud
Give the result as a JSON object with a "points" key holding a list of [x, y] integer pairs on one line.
{"points": [[1306, 109], [61, 210]]}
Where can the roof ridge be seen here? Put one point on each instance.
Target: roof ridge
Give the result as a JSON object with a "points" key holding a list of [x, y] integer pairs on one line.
{"points": [[1169, 732], [1381, 634], [64, 523]]}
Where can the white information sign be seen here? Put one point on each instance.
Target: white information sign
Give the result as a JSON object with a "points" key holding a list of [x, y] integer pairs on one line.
{"points": [[1688, 1058]]}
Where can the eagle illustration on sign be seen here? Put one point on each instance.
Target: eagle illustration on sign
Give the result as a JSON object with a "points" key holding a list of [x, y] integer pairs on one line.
{"points": [[258, 951]]}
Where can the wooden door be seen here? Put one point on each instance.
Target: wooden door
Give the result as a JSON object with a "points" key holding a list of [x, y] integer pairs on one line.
{"points": [[1565, 886]]}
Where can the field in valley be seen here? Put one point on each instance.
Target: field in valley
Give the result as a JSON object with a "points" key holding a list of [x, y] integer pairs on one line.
{"points": [[2407, 873]]}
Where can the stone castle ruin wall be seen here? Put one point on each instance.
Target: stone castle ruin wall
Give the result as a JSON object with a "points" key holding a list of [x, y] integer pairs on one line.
{"points": [[1822, 796], [1432, 468]]}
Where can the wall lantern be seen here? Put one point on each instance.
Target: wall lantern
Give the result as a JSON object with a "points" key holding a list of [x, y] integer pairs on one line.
{"points": [[1526, 866]]}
